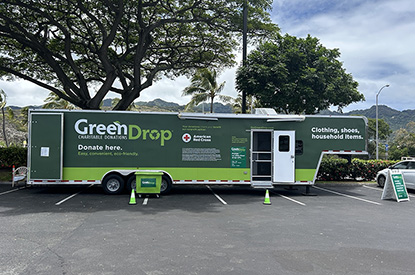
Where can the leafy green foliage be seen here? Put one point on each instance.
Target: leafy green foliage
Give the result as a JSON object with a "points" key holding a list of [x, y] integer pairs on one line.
{"points": [[367, 169], [54, 102], [296, 75], [251, 104], [404, 142], [383, 128], [335, 169], [82, 50], [384, 133], [3, 101], [16, 156], [203, 87]]}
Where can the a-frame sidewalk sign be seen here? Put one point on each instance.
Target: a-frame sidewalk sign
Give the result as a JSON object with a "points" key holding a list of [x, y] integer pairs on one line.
{"points": [[395, 187]]}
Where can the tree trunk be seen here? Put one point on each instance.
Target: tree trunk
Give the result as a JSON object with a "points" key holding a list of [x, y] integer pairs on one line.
{"points": [[4, 127]]}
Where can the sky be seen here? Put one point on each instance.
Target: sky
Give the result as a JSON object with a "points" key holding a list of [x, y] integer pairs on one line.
{"points": [[376, 39]]}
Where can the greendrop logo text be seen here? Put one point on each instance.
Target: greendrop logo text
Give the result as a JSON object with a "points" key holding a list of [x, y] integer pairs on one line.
{"points": [[116, 130]]}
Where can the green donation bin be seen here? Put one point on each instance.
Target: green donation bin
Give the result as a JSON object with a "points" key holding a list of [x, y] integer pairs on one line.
{"points": [[148, 181]]}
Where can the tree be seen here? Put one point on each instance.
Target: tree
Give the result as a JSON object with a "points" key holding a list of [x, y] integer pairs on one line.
{"points": [[403, 144], [10, 114], [54, 102], [24, 114], [203, 86], [384, 129], [3, 102], [82, 50], [297, 75], [384, 133], [237, 104]]}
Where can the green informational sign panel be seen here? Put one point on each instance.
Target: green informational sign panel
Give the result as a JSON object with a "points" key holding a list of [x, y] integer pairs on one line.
{"points": [[395, 187], [238, 157], [46, 146], [399, 186], [148, 182]]}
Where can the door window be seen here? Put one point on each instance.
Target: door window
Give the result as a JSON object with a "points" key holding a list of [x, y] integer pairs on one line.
{"points": [[284, 143], [298, 147]]}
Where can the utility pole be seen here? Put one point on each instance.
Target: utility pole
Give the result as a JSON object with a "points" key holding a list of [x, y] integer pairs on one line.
{"points": [[377, 130], [244, 48]]}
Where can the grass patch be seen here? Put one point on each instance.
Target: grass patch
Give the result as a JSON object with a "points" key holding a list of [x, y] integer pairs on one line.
{"points": [[6, 174]]}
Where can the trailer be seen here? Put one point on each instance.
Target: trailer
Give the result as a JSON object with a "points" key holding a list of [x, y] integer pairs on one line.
{"points": [[263, 150]]}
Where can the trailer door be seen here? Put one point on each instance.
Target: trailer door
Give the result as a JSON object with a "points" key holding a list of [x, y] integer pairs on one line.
{"points": [[261, 157], [284, 156], [45, 146]]}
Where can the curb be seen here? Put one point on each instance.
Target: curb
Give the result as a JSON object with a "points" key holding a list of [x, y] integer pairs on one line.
{"points": [[345, 183]]}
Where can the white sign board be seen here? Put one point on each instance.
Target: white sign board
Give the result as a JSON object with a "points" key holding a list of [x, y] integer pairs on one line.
{"points": [[44, 151]]}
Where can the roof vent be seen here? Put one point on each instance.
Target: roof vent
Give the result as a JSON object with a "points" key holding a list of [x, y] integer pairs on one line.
{"points": [[265, 111]]}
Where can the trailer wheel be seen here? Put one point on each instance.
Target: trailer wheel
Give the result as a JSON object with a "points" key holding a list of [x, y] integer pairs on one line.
{"points": [[131, 183], [166, 185], [113, 184]]}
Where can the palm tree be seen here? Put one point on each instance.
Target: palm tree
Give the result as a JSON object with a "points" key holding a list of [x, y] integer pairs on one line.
{"points": [[3, 102], [53, 101], [24, 113], [203, 87], [250, 102]]}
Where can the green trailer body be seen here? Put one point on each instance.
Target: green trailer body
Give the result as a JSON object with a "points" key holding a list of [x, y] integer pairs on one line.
{"points": [[263, 150]]}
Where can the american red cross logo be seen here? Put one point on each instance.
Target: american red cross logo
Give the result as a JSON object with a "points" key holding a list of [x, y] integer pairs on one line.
{"points": [[186, 137]]}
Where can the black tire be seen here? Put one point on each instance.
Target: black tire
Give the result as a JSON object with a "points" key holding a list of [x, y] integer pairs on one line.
{"points": [[166, 185], [113, 184], [381, 181], [131, 183]]}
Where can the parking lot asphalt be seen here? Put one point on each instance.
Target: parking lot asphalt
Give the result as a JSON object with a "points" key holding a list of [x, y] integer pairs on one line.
{"points": [[205, 230]]}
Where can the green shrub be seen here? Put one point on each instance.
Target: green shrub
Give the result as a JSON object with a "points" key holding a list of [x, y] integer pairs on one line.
{"points": [[367, 169], [16, 156], [335, 169]]}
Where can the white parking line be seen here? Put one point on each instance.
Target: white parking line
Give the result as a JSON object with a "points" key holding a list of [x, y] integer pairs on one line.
{"points": [[10, 191], [290, 199], [71, 196], [347, 196], [373, 188], [145, 201], [381, 190], [217, 196]]}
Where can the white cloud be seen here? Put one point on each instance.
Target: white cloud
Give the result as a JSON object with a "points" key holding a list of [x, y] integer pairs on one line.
{"points": [[171, 90], [23, 93], [375, 38], [166, 89]]}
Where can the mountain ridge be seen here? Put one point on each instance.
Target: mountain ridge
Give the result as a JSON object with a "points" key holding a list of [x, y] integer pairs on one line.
{"points": [[396, 119]]}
